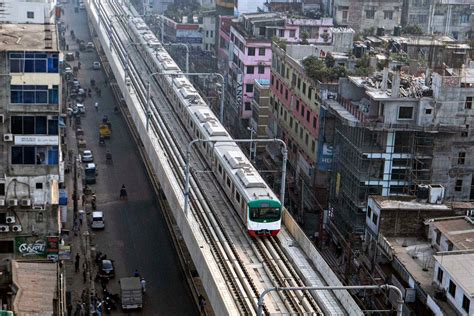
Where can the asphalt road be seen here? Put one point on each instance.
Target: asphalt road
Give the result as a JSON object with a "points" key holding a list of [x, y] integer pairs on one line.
{"points": [[136, 235]]}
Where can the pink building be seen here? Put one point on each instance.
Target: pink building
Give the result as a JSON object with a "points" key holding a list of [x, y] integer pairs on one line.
{"points": [[249, 50]]}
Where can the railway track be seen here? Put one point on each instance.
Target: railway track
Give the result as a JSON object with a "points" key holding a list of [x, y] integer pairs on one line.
{"points": [[221, 231]]}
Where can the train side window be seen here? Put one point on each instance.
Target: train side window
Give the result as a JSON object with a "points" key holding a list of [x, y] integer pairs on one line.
{"points": [[237, 197], [228, 181], [220, 168]]}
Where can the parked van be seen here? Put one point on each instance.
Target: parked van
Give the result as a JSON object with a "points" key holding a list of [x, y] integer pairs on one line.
{"points": [[90, 173], [98, 220]]}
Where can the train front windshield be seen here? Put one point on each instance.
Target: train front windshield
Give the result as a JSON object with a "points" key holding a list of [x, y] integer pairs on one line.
{"points": [[260, 214]]}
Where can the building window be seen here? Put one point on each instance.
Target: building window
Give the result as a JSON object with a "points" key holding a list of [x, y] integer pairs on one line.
{"points": [[261, 30], [261, 69], [306, 139], [468, 104], [31, 125], [370, 14], [387, 15], [248, 106], [277, 85], [344, 16], [464, 18], [291, 122], [428, 111], [249, 87], [302, 110], [31, 94], [439, 277], [261, 51], [304, 88], [461, 158], [458, 186], [466, 303], [250, 69], [286, 94], [452, 288], [39, 185], [30, 15], [282, 33], [34, 155], [292, 33], [34, 62], [272, 80], [375, 218], [299, 83], [251, 51], [438, 237], [307, 116], [369, 212], [301, 132], [405, 113], [297, 105], [450, 245], [314, 122]]}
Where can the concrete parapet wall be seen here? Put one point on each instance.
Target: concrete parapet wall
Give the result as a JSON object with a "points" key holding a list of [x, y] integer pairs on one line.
{"points": [[310, 250], [209, 272]]}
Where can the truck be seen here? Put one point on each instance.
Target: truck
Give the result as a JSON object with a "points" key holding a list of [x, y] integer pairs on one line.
{"points": [[131, 293], [104, 130]]}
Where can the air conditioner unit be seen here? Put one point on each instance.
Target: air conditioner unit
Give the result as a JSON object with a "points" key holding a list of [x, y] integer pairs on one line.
{"points": [[10, 219], [7, 137], [4, 229], [2, 202], [16, 228], [38, 207], [12, 202], [25, 202]]}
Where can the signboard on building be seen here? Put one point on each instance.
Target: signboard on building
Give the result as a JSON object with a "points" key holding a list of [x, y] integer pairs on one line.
{"points": [[36, 140], [30, 246], [325, 157], [64, 252]]}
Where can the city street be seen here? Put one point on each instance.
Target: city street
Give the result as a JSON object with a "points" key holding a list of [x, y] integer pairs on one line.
{"points": [[135, 234]]}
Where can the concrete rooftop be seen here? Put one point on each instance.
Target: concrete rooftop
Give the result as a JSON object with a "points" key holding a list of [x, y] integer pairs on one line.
{"points": [[460, 265], [391, 203], [28, 37], [459, 231], [36, 282]]}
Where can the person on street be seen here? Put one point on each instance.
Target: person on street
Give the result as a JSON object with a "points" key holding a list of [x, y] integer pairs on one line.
{"points": [[202, 303], [143, 284], [136, 274], [123, 193], [77, 262], [96, 105], [79, 65]]}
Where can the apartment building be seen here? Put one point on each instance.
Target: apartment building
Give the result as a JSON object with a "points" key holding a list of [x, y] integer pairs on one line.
{"points": [[250, 53], [27, 11], [389, 140], [367, 14], [31, 160], [446, 17], [423, 245]]}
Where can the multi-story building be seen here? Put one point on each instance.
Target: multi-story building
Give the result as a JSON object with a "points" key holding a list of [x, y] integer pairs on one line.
{"points": [[424, 246], [390, 140], [446, 17], [27, 11], [367, 14], [250, 52], [31, 164]]}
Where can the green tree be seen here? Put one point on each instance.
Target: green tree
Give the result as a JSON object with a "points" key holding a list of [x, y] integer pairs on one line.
{"points": [[412, 30], [330, 61], [304, 38]]}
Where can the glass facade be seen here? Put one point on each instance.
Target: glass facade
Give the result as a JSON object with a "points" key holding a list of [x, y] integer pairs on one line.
{"points": [[34, 62], [34, 94]]}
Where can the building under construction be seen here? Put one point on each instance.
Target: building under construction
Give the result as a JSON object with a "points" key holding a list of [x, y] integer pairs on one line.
{"points": [[394, 132]]}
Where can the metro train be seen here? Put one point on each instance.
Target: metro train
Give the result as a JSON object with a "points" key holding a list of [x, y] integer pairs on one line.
{"points": [[258, 207]]}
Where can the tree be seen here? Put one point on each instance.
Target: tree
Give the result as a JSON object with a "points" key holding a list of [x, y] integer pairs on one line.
{"points": [[317, 69], [412, 30], [304, 38], [330, 61]]}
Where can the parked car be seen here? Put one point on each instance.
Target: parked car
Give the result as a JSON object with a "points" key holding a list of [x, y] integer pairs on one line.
{"points": [[80, 108], [107, 269], [98, 220], [87, 156], [90, 46], [90, 173], [96, 65]]}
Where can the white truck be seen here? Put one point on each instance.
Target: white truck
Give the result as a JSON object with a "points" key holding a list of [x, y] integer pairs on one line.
{"points": [[131, 293]]}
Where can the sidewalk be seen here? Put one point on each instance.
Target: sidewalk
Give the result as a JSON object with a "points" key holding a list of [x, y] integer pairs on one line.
{"points": [[79, 283]]}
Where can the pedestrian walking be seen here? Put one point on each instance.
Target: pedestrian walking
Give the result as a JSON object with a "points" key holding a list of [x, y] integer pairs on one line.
{"points": [[123, 193], [77, 262], [83, 199], [81, 216], [96, 105], [143, 284], [136, 274], [79, 65], [67, 46], [202, 303]]}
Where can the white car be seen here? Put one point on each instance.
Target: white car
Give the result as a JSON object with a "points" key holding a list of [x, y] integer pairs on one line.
{"points": [[96, 65], [80, 108], [98, 220], [87, 156]]}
